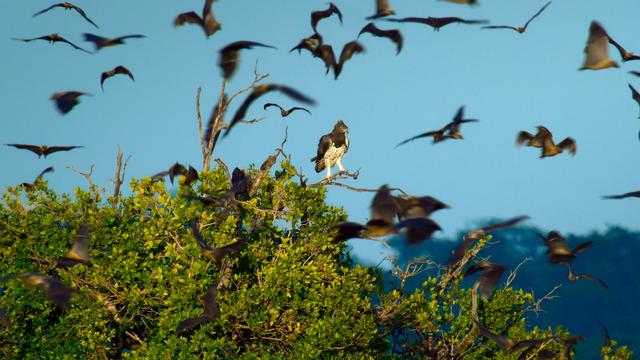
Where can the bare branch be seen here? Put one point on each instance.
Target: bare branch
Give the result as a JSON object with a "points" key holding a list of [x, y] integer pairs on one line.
{"points": [[200, 131], [513, 273], [92, 186], [256, 79], [339, 175], [119, 178], [536, 305], [225, 168]]}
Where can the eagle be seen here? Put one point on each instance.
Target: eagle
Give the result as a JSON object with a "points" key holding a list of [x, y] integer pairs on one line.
{"points": [[331, 148]]}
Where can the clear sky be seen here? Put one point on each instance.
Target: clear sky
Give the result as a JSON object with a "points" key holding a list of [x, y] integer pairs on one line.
{"points": [[511, 82]]}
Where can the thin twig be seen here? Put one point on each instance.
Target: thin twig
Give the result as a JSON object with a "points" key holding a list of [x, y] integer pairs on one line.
{"points": [[85, 175], [536, 305], [513, 273]]}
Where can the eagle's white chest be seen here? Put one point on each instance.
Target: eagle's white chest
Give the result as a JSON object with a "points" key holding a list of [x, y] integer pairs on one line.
{"points": [[334, 153]]}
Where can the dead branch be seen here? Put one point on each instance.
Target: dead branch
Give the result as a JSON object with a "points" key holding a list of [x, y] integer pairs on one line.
{"points": [[92, 187], [536, 305], [224, 167], [513, 273], [121, 170]]}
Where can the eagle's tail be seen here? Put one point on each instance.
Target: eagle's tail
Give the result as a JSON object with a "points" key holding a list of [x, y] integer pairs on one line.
{"points": [[319, 163]]}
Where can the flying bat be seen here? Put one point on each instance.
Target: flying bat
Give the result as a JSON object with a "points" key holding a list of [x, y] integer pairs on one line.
{"points": [[544, 139], [597, 49], [412, 206], [558, 248], [43, 150], [100, 42], [316, 16], [177, 169], [67, 6], [309, 43], [230, 56], [579, 277], [635, 194], [65, 101], [31, 186], [636, 73], [624, 54], [207, 22], [211, 312], [260, 90], [635, 95], [350, 48], [79, 253], [218, 253], [519, 29], [437, 23], [283, 112], [115, 71], [508, 345], [383, 9], [489, 277], [393, 35], [326, 54], [449, 131], [468, 2], [416, 229], [54, 38], [53, 290], [477, 234]]}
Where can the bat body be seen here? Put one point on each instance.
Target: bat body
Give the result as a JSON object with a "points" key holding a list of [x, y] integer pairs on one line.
{"points": [[572, 277], [190, 174], [207, 22], [118, 70], [558, 248], [67, 6], [79, 253], [489, 277], [30, 187], [544, 139], [597, 49], [101, 42], [383, 9], [216, 255], [449, 131], [53, 290], [393, 35], [54, 38], [211, 312], [309, 43], [65, 101], [43, 150], [437, 23], [285, 112], [519, 29], [230, 56], [316, 16]]}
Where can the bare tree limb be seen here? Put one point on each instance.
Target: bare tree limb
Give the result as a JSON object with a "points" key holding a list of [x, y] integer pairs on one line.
{"points": [[536, 305], [119, 178], [92, 186], [513, 273]]}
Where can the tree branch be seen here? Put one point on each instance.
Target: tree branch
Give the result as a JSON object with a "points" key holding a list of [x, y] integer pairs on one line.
{"points": [[513, 273], [536, 305], [119, 178]]}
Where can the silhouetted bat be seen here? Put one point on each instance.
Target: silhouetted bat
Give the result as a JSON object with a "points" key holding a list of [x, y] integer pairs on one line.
{"points": [[635, 194], [384, 206], [310, 43], [316, 16], [558, 248], [393, 35], [117, 70], [176, 169], [417, 229], [437, 23], [382, 9], [211, 312], [207, 22], [53, 290], [348, 230], [489, 277], [411, 206], [519, 29], [283, 112], [636, 73], [350, 48], [67, 100], [544, 139], [214, 254], [579, 277], [30, 187], [597, 49], [43, 150], [230, 56], [635, 95], [100, 42], [626, 56], [79, 253], [67, 6], [54, 38], [607, 338], [477, 234], [449, 131], [239, 182], [261, 90]]}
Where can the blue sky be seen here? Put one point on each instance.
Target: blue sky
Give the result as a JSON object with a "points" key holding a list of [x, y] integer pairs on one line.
{"points": [[511, 82]]}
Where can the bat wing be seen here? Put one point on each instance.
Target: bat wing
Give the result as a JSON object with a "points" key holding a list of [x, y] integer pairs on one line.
{"points": [[53, 149], [211, 309], [191, 323], [426, 134], [348, 230], [272, 104], [509, 223], [33, 148], [187, 18], [629, 194], [299, 108], [411, 19], [500, 27], [536, 14], [124, 71], [348, 50], [195, 230], [597, 49], [133, 36], [417, 229], [97, 41], [523, 137], [325, 52], [47, 170], [84, 15], [74, 45], [568, 144], [47, 9]]}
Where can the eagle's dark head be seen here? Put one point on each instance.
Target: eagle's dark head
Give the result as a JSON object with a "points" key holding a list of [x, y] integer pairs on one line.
{"points": [[340, 127]]}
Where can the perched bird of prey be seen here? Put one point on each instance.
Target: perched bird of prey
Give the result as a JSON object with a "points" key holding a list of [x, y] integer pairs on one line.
{"points": [[489, 277], [67, 6], [309, 43], [635, 95], [519, 29], [393, 35], [207, 22], [579, 277], [53, 290], [260, 90], [54, 38], [100, 42], [449, 131], [437, 23], [544, 139], [635, 194], [67, 100], [624, 54], [316, 16], [115, 71], [382, 10], [283, 112], [230, 56], [597, 49], [331, 149], [31, 186], [190, 174], [214, 254], [558, 248], [211, 312], [43, 150], [79, 253]]}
